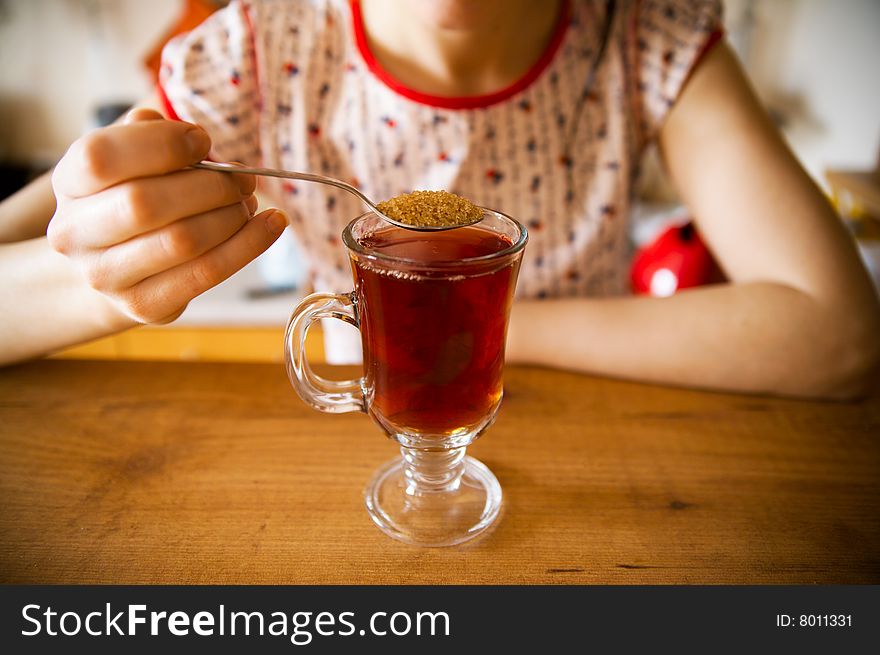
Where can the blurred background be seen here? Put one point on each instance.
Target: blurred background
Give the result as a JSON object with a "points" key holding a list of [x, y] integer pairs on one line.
{"points": [[71, 65]]}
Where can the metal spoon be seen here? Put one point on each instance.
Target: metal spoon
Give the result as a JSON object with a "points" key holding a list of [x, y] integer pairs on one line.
{"points": [[227, 167]]}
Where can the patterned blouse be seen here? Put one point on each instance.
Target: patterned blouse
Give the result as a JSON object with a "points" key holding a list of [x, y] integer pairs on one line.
{"points": [[293, 84]]}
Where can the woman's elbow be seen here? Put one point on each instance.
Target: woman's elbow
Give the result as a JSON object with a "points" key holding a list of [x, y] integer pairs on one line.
{"points": [[852, 356]]}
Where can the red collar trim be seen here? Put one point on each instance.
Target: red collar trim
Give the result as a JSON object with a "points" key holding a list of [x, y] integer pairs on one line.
{"points": [[459, 102]]}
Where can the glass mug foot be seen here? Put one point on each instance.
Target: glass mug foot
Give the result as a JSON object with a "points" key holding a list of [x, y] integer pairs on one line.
{"points": [[433, 498]]}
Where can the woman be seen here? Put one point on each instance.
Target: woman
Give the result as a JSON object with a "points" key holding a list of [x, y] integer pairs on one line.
{"points": [[541, 110]]}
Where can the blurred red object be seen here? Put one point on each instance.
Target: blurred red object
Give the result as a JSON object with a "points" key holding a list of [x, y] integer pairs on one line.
{"points": [[677, 259]]}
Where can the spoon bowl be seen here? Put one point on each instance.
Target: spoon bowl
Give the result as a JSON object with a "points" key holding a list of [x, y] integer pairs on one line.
{"points": [[228, 167]]}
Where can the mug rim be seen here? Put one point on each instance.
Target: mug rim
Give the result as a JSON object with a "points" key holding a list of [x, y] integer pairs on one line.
{"points": [[355, 246]]}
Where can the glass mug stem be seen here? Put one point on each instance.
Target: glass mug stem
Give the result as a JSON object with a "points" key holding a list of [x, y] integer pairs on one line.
{"points": [[432, 471]]}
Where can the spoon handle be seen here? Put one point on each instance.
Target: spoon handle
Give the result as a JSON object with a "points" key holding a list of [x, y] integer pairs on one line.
{"points": [[290, 175], [227, 167]]}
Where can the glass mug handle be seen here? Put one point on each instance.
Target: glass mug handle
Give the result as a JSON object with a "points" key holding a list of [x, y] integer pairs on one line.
{"points": [[332, 396]]}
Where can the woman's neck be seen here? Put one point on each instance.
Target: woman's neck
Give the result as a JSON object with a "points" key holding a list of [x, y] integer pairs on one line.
{"points": [[458, 47]]}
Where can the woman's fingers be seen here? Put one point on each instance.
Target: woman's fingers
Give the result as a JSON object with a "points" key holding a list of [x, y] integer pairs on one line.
{"points": [[142, 114], [118, 153], [163, 296], [248, 183], [148, 231], [139, 206], [119, 267]]}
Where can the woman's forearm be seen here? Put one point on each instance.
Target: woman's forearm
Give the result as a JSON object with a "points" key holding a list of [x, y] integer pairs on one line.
{"points": [[756, 337], [47, 303], [26, 213]]}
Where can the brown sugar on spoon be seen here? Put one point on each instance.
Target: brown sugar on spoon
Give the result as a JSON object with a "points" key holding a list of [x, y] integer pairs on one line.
{"points": [[431, 209]]}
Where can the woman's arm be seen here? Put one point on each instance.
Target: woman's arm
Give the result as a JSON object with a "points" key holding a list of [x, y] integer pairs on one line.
{"points": [[47, 304], [26, 213], [130, 236], [800, 316]]}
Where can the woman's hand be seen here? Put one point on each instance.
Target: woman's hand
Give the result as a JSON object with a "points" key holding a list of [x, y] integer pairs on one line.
{"points": [[146, 231]]}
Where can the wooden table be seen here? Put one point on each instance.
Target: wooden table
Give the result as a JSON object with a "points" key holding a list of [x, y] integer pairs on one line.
{"points": [[116, 472]]}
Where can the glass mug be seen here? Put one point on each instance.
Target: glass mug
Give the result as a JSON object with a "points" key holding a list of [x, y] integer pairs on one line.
{"points": [[432, 309]]}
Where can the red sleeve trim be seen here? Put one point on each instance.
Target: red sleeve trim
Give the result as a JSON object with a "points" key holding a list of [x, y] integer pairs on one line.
{"points": [[713, 39], [459, 102], [167, 107], [249, 25]]}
